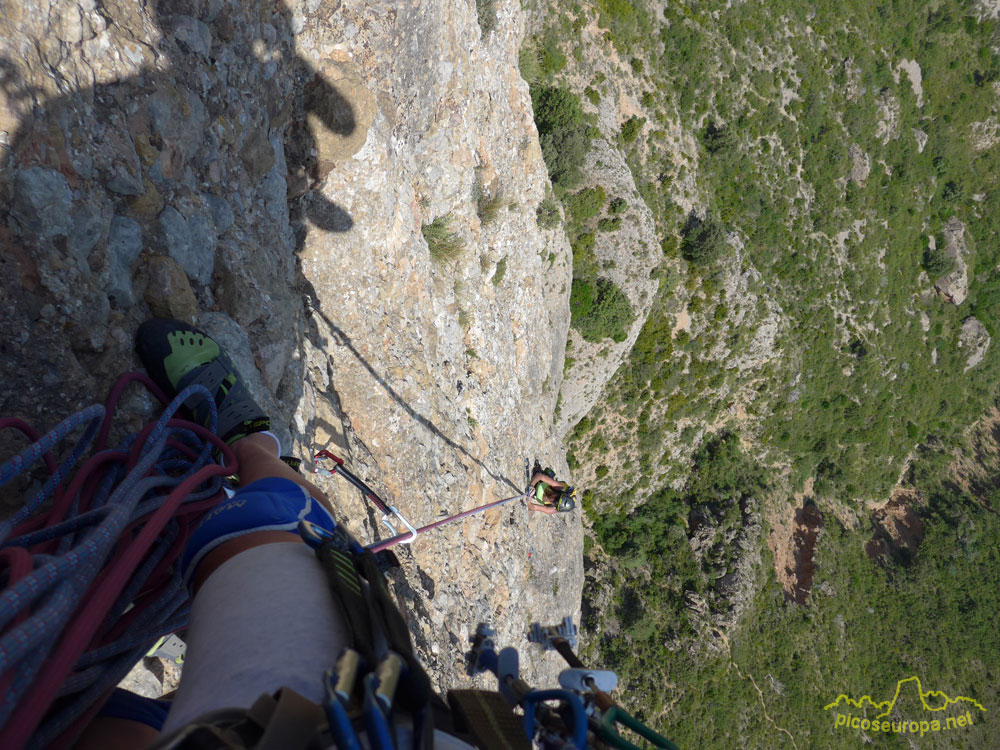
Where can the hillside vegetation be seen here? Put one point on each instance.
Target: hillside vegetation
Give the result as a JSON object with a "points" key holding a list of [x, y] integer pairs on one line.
{"points": [[823, 178]]}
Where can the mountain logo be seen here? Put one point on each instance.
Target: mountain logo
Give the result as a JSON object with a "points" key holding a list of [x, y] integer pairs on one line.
{"points": [[937, 711]]}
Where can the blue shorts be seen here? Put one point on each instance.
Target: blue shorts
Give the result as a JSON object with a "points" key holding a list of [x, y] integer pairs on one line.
{"points": [[126, 705], [269, 504]]}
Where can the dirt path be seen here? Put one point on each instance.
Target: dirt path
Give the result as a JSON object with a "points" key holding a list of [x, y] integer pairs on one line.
{"points": [[760, 693]]}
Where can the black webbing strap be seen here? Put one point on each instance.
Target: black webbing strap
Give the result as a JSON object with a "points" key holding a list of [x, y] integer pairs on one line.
{"points": [[377, 626], [414, 692], [488, 718], [349, 591]]}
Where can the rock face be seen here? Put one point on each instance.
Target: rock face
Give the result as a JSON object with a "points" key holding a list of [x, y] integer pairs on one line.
{"points": [[955, 286], [860, 165], [265, 169], [975, 340], [627, 257]]}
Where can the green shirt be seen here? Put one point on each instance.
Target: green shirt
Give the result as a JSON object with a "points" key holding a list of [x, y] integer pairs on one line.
{"points": [[540, 490]]}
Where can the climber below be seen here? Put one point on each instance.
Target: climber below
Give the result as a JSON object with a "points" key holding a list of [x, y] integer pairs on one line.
{"points": [[548, 494]]}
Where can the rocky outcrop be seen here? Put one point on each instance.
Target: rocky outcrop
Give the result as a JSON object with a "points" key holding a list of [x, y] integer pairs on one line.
{"points": [[627, 257], [265, 169], [861, 165], [955, 286], [974, 340], [887, 128]]}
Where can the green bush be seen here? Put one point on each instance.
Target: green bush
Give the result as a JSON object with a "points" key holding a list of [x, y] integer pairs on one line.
{"points": [[563, 133], [585, 204], [704, 240], [637, 66], [592, 95], [547, 214], [527, 64], [444, 244], [486, 14], [717, 139], [600, 310], [501, 270], [609, 225], [936, 263], [488, 205], [551, 59], [618, 206], [631, 128], [584, 262]]}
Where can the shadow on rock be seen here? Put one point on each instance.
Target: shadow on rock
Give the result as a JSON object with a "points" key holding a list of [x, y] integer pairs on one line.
{"points": [[182, 187]]}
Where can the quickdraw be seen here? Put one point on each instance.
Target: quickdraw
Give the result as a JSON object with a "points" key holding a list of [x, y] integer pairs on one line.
{"points": [[368, 492], [411, 534]]}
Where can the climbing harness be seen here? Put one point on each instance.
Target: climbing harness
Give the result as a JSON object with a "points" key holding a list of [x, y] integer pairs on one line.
{"points": [[412, 533], [585, 715], [90, 580]]}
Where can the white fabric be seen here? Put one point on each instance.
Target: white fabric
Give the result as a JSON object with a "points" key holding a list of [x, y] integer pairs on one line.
{"points": [[264, 619]]}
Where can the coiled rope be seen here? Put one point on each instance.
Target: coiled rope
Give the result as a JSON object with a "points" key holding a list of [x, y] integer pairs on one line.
{"points": [[90, 582]]}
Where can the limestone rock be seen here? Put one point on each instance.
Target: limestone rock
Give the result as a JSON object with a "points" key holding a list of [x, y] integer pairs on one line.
{"points": [[887, 127], [193, 35], [149, 202], [304, 153], [860, 165], [142, 681], [955, 286], [975, 340], [190, 242], [42, 201], [178, 117], [628, 256], [166, 289], [341, 109], [88, 226], [257, 154], [124, 246], [221, 211]]}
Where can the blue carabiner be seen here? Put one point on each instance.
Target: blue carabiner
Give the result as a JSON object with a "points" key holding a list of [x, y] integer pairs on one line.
{"points": [[376, 719], [335, 707]]}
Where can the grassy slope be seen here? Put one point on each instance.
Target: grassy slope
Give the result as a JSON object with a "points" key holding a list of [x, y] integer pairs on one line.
{"points": [[786, 95]]}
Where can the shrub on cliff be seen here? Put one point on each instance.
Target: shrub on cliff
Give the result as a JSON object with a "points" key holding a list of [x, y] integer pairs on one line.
{"points": [[563, 133], [585, 204], [600, 310], [704, 240]]}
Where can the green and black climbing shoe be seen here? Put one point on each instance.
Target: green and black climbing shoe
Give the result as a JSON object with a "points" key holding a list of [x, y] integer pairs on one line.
{"points": [[177, 355]]}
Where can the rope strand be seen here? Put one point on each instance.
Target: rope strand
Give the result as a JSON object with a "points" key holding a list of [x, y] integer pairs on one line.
{"points": [[108, 541]]}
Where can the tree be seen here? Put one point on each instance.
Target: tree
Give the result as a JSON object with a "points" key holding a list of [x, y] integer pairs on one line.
{"points": [[563, 133], [704, 240], [936, 263], [600, 310]]}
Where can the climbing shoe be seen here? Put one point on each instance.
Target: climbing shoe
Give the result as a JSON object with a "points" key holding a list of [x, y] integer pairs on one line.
{"points": [[177, 355]]}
